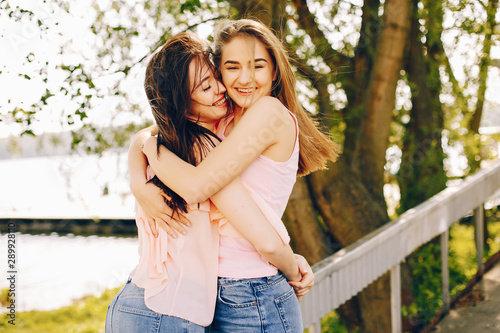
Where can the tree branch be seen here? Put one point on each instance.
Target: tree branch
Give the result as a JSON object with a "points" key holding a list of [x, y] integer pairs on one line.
{"points": [[320, 82], [307, 22], [167, 35]]}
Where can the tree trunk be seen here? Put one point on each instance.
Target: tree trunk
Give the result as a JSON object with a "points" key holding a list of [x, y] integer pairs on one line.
{"points": [[308, 236], [379, 101], [349, 198], [421, 174], [491, 10]]}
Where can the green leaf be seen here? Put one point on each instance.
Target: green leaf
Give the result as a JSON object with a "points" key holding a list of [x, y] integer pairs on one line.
{"points": [[190, 6]]}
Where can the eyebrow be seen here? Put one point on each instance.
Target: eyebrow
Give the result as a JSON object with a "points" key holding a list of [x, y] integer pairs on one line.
{"points": [[206, 78], [237, 62]]}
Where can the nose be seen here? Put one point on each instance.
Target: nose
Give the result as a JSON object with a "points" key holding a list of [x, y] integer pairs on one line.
{"points": [[220, 88], [245, 76]]}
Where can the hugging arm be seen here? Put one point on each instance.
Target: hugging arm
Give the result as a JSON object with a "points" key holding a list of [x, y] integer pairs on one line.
{"points": [[149, 196], [259, 128], [236, 204]]}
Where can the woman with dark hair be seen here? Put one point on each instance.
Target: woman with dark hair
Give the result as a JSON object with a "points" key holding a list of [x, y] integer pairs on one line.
{"points": [[268, 140], [174, 286]]}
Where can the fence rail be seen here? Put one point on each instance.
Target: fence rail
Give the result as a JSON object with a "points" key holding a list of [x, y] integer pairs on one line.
{"points": [[347, 272]]}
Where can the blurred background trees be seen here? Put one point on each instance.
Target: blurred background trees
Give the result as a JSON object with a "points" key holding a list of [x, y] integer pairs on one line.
{"points": [[406, 87]]}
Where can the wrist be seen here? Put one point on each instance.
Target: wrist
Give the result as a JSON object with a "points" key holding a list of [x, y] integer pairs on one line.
{"points": [[149, 146], [294, 275], [137, 185]]}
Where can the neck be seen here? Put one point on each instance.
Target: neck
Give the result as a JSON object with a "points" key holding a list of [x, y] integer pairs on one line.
{"points": [[238, 113], [208, 125]]}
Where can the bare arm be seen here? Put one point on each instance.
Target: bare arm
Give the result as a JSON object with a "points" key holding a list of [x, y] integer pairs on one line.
{"points": [[240, 209], [262, 126], [137, 162], [149, 196]]}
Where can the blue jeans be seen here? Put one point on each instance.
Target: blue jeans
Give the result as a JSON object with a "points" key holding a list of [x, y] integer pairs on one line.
{"points": [[265, 304], [128, 313]]}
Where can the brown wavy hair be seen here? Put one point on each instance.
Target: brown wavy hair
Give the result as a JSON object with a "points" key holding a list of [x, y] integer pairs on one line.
{"points": [[315, 147], [169, 93]]}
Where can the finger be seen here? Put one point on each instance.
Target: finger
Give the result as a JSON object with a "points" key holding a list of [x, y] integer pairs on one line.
{"points": [[153, 227], [296, 284], [301, 291], [301, 288], [304, 267], [182, 219], [172, 223], [171, 232], [307, 279], [299, 298]]}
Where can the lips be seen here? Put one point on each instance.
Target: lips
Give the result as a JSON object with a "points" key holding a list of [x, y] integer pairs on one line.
{"points": [[220, 102], [245, 90]]}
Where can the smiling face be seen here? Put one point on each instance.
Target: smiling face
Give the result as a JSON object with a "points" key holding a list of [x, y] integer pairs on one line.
{"points": [[247, 70], [208, 98]]}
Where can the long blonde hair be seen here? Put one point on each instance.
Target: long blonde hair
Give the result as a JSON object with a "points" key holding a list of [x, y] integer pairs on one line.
{"points": [[315, 147]]}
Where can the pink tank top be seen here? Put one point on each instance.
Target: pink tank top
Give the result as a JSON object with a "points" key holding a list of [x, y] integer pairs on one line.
{"points": [[273, 182]]}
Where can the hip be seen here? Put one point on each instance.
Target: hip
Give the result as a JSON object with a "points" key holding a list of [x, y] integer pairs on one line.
{"points": [[266, 304]]}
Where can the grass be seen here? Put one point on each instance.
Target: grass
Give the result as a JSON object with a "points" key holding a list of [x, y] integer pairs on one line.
{"points": [[87, 315]]}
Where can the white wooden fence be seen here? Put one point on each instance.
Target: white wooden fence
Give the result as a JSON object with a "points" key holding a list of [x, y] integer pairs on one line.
{"points": [[345, 273]]}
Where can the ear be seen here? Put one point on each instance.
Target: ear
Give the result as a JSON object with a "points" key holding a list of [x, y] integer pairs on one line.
{"points": [[275, 75]]}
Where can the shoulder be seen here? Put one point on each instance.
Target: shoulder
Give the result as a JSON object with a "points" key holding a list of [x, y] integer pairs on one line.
{"points": [[269, 102], [268, 106]]}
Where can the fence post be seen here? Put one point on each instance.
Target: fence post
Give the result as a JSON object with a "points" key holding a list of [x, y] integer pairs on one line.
{"points": [[479, 221], [445, 271], [396, 322]]}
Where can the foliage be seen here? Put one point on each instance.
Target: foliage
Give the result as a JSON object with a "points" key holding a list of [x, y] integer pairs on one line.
{"points": [[93, 85], [331, 324], [426, 265]]}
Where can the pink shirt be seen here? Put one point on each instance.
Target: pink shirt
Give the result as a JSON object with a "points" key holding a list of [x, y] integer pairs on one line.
{"points": [[179, 275], [271, 182]]}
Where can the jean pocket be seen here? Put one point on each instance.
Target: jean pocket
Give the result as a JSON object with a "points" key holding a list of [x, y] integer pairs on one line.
{"points": [[129, 319], [237, 295], [289, 311], [139, 312]]}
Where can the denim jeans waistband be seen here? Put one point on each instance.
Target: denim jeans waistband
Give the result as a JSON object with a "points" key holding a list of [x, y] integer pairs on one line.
{"points": [[254, 281]]}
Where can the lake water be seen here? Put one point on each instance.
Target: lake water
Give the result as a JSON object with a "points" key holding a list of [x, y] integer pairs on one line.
{"points": [[54, 270]]}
